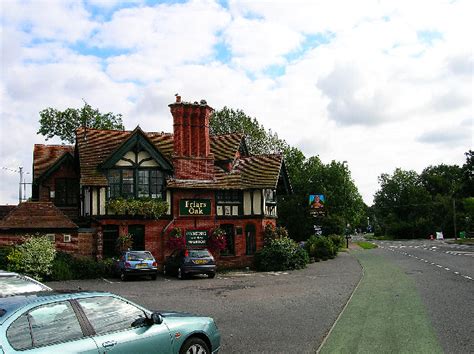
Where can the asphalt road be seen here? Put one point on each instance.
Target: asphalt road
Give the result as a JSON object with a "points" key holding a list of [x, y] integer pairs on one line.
{"points": [[285, 312], [444, 277]]}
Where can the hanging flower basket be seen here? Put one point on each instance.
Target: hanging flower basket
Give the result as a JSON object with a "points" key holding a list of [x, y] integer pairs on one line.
{"points": [[176, 240], [217, 242]]}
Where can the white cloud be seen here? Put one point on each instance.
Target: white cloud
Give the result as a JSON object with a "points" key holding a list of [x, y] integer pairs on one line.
{"points": [[380, 84]]}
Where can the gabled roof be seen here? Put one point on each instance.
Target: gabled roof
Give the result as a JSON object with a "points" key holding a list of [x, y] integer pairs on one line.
{"points": [[46, 156], [5, 210], [97, 146], [137, 138], [36, 215]]}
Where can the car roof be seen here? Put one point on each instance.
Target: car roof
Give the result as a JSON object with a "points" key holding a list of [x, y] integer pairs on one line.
{"points": [[4, 274], [11, 304]]}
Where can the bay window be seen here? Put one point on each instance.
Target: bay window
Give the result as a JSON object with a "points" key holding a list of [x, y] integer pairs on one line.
{"points": [[136, 183]]}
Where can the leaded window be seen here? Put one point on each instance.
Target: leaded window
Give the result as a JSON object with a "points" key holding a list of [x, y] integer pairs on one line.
{"points": [[136, 183], [66, 191], [229, 202]]}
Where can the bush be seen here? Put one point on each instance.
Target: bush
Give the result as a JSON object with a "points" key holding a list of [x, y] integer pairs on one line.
{"points": [[320, 247], [68, 267], [271, 233], [281, 254], [338, 240], [34, 257], [4, 251]]}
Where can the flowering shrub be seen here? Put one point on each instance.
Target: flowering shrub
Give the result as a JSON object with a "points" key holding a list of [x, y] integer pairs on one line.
{"points": [[272, 233], [176, 240], [217, 242], [147, 207], [34, 257]]}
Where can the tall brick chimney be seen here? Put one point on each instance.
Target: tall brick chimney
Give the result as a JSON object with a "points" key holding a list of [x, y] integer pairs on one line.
{"points": [[192, 158]]}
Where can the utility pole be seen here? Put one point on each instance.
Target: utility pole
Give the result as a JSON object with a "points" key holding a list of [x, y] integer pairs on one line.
{"points": [[454, 218], [20, 195]]}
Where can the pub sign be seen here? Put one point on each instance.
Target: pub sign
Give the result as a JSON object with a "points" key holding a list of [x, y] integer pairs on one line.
{"points": [[196, 238], [194, 207]]}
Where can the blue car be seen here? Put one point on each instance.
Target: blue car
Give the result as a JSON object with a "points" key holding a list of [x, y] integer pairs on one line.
{"points": [[135, 264], [98, 322]]}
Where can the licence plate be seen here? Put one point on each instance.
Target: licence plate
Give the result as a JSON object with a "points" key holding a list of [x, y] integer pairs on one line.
{"points": [[141, 265], [200, 261]]}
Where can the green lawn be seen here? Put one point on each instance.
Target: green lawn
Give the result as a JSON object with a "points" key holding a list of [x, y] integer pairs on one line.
{"points": [[366, 245]]}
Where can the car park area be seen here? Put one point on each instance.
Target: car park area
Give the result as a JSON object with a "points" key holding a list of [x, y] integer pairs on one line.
{"points": [[255, 312]]}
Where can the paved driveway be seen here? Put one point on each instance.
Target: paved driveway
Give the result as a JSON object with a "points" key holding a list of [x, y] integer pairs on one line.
{"points": [[285, 312]]}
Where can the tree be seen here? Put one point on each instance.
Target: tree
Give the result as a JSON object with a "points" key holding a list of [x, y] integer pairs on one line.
{"points": [[259, 140], [403, 206], [63, 124]]}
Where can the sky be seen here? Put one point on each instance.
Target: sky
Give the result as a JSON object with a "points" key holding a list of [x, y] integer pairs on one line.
{"points": [[379, 84]]}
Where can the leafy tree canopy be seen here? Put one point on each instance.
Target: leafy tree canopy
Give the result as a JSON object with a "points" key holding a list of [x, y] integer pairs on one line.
{"points": [[63, 124], [258, 139]]}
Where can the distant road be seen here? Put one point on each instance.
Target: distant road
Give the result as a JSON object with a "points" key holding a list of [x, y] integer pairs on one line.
{"points": [[444, 276], [415, 296]]}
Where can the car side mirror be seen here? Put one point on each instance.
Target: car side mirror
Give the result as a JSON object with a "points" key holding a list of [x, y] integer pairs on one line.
{"points": [[156, 318], [141, 321]]}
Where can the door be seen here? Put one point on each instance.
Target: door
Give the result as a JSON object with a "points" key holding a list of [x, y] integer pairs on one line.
{"points": [[109, 239], [138, 236], [230, 238], [112, 318]]}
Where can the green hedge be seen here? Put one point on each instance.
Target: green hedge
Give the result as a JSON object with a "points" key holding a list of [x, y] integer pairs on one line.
{"points": [[321, 248], [67, 267], [281, 254]]}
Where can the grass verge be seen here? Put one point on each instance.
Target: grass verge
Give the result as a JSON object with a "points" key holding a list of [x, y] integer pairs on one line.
{"points": [[366, 245]]}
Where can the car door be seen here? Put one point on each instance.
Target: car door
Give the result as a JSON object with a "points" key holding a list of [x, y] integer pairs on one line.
{"points": [[50, 328], [111, 319]]}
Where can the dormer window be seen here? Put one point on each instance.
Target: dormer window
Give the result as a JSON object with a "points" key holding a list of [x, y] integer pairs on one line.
{"points": [[136, 183]]}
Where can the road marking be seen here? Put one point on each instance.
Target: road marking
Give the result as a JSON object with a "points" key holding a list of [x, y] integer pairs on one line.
{"points": [[108, 281], [465, 276], [439, 266], [447, 268], [457, 273]]}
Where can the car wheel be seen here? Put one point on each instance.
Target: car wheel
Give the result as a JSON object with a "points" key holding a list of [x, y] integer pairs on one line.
{"points": [[211, 275], [123, 276], [181, 274], [194, 345]]}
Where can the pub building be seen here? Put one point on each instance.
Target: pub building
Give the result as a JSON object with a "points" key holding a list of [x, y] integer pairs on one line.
{"points": [[208, 181]]}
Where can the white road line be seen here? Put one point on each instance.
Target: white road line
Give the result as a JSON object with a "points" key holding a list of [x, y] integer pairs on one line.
{"points": [[465, 276], [439, 266], [447, 268], [457, 273]]}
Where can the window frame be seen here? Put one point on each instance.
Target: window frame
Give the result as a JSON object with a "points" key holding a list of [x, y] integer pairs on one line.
{"points": [[227, 199], [118, 187], [71, 191]]}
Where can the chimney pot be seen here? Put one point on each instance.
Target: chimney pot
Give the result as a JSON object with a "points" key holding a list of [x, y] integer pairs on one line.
{"points": [[178, 98]]}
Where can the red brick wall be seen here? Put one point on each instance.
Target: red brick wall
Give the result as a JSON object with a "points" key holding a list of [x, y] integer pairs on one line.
{"points": [[9, 239]]}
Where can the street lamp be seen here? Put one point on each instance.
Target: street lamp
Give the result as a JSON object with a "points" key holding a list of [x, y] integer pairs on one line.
{"points": [[344, 216]]}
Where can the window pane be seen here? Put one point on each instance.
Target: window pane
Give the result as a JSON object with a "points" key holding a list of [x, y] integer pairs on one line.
{"points": [[19, 335], [128, 184], [143, 183], [60, 191], [156, 180], [108, 314], [54, 323], [114, 183]]}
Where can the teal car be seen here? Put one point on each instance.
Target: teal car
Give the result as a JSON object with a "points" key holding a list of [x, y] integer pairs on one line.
{"points": [[98, 322]]}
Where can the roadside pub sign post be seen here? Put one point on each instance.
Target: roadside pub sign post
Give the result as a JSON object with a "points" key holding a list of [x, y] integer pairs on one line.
{"points": [[316, 205]]}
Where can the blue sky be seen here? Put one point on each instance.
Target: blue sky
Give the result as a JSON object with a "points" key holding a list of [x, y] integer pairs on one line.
{"points": [[379, 84]]}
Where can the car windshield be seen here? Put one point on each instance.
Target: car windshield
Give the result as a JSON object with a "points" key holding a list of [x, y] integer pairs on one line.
{"points": [[138, 256], [199, 254], [10, 285]]}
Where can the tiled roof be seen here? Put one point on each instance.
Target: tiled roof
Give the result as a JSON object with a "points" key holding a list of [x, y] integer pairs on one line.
{"points": [[5, 210], [44, 156], [261, 171], [95, 146], [36, 215], [225, 147]]}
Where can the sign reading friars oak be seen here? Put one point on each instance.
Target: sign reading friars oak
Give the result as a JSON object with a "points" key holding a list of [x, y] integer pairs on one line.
{"points": [[194, 207]]}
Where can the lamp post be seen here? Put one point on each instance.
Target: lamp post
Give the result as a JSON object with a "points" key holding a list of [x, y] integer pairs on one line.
{"points": [[344, 216]]}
